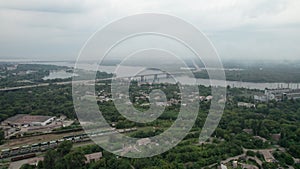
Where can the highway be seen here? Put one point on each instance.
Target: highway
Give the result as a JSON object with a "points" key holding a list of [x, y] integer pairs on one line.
{"points": [[46, 84]]}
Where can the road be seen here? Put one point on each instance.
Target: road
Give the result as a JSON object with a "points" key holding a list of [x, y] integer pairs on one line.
{"points": [[258, 161], [40, 85]]}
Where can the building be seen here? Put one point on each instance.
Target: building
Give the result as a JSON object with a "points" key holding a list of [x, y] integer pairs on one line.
{"points": [[278, 94], [260, 98], [93, 157], [268, 156], [249, 131], [234, 164], [248, 105], [24, 120], [208, 98], [223, 166], [276, 137]]}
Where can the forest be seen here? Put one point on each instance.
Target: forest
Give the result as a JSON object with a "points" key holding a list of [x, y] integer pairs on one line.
{"points": [[228, 140]]}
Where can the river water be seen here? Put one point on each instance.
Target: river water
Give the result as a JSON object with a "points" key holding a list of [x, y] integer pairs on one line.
{"points": [[185, 79]]}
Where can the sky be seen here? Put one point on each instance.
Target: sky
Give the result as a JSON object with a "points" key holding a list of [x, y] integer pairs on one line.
{"points": [[239, 29]]}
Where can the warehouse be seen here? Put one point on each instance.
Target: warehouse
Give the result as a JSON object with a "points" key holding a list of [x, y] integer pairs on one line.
{"points": [[25, 120]]}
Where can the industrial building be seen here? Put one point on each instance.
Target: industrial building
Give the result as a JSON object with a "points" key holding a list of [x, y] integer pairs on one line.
{"points": [[24, 120], [278, 94]]}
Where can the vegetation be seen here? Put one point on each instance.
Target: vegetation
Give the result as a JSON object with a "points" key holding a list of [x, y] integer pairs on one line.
{"points": [[228, 140], [1, 136], [275, 72], [50, 100], [25, 74]]}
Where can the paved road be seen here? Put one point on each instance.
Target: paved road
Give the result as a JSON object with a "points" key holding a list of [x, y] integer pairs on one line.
{"points": [[23, 87], [233, 158], [41, 85], [244, 155]]}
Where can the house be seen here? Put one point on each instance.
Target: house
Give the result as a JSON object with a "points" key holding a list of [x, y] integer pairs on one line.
{"points": [[276, 137], [249, 131], [260, 98], [223, 166], [268, 156], [248, 105], [234, 164], [93, 157], [208, 98], [260, 138]]}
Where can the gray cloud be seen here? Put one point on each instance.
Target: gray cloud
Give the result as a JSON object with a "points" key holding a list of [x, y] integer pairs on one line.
{"points": [[57, 29]]}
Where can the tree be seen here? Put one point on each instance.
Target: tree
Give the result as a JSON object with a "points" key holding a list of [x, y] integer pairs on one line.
{"points": [[295, 150], [75, 160], [1, 136], [40, 165], [250, 153], [50, 158], [61, 164], [288, 159], [27, 166], [99, 164], [267, 165], [64, 148]]}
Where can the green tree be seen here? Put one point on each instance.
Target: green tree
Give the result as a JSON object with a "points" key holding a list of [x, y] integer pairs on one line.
{"points": [[75, 160], [267, 165], [1, 136], [27, 166], [64, 148], [50, 159]]}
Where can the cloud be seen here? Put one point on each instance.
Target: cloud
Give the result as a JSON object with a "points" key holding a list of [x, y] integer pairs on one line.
{"points": [[58, 28], [52, 6]]}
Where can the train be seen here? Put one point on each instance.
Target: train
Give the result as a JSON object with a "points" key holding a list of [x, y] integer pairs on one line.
{"points": [[44, 146], [41, 147], [22, 157]]}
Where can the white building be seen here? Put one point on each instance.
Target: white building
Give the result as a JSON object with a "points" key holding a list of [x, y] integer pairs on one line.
{"points": [[28, 120]]}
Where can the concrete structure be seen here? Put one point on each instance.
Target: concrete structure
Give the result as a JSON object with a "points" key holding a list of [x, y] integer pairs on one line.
{"points": [[276, 137], [223, 166], [248, 105], [249, 131], [268, 156], [234, 164], [25, 120], [93, 157], [260, 98], [278, 94]]}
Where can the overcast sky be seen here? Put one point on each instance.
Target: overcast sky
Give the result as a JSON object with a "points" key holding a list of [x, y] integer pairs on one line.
{"points": [[239, 29]]}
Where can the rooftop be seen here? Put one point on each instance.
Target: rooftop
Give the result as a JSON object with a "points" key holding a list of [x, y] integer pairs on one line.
{"points": [[93, 156], [25, 118]]}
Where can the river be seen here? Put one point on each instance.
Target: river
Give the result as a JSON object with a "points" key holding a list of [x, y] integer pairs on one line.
{"points": [[186, 79]]}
